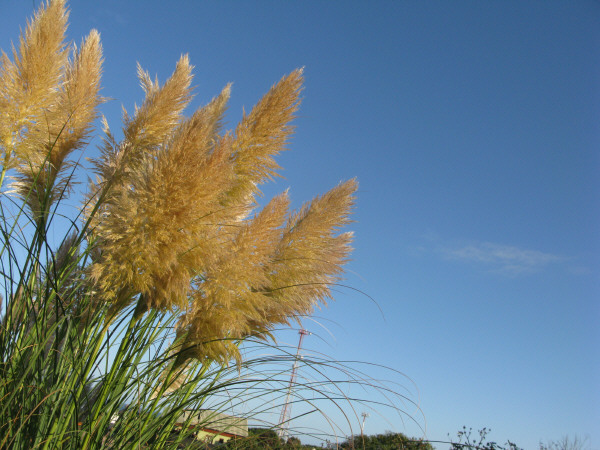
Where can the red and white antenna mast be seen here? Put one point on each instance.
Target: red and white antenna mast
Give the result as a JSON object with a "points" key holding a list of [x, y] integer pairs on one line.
{"points": [[284, 418]]}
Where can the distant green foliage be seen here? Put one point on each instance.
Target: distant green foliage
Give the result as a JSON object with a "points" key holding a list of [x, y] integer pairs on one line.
{"points": [[267, 439], [263, 438], [387, 441]]}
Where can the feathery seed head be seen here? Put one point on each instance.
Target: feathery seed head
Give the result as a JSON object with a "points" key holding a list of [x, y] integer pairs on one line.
{"points": [[29, 84], [257, 286], [264, 133], [161, 111], [175, 230]]}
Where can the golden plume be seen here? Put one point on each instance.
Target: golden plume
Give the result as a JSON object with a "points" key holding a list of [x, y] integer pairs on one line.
{"points": [[49, 104]]}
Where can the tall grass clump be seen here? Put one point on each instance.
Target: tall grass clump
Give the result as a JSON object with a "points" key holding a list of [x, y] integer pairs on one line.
{"points": [[123, 312]]}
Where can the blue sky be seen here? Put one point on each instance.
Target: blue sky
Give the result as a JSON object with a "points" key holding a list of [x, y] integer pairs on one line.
{"points": [[473, 130]]}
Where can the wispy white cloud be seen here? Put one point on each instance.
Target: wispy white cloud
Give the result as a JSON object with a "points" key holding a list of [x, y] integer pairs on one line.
{"points": [[504, 258]]}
